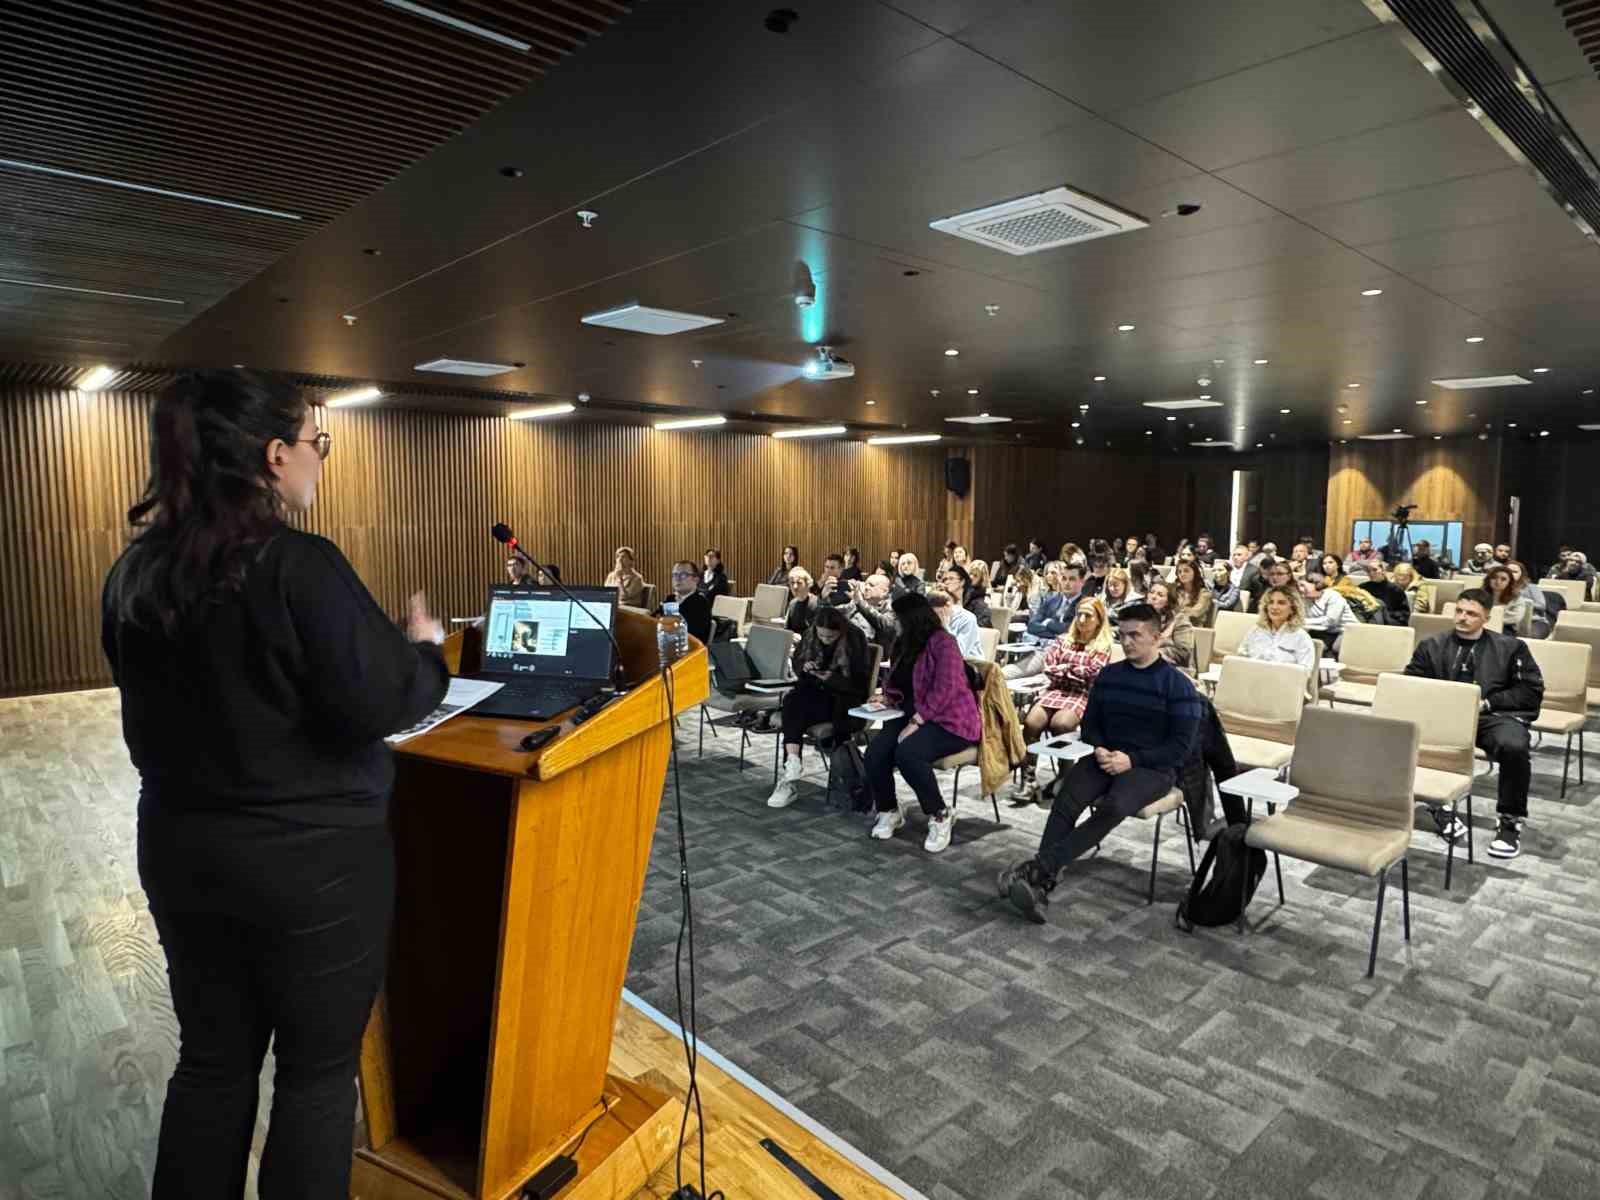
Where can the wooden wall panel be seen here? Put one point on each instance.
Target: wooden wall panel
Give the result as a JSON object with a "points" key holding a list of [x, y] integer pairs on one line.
{"points": [[1560, 491], [1456, 480], [1060, 495]]}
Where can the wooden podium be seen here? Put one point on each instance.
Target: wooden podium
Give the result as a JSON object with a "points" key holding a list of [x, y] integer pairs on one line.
{"points": [[518, 882]]}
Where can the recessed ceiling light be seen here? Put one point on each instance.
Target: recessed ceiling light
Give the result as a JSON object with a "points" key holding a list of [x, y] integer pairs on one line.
{"points": [[1099, 378], [97, 379], [359, 395], [1475, 338], [1258, 445], [1347, 421], [1202, 402], [691, 423], [1541, 370], [1511, 424], [461, 366], [810, 432], [1217, 362], [1286, 411], [1544, 433], [1205, 395], [870, 403], [951, 352], [1172, 418], [1125, 328], [1204, 381], [488, 35], [1422, 404], [641, 318], [140, 187], [1261, 362], [1075, 424], [972, 391], [1481, 381], [583, 397], [1148, 432], [88, 291], [542, 411], [1372, 292], [1083, 408], [1438, 437], [903, 439], [1352, 385], [1396, 429]]}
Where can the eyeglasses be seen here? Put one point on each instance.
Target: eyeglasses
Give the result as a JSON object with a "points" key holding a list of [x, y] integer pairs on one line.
{"points": [[323, 442]]}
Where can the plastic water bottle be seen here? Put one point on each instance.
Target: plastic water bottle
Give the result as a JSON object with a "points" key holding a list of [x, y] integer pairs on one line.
{"points": [[672, 635]]}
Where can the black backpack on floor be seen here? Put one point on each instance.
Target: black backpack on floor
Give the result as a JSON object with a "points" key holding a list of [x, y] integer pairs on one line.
{"points": [[1213, 897]]}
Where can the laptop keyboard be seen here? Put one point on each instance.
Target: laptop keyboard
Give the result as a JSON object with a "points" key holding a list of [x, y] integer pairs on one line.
{"points": [[543, 697]]}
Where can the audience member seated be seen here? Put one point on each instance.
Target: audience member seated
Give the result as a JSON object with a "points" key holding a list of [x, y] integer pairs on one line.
{"points": [[1503, 587], [1363, 555], [1035, 557], [1389, 595], [1204, 551], [628, 582], [1022, 592], [1054, 613], [1364, 605], [1280, 634], [693, 605], [1152, 548], [830, 671], [791, 560], [1535, 595], [1511, 689], [1419, 593], [1259, 582], [1142, 718], [870, 612], [976, 600], [518, 572], [1117, 595], [714, 579], [852, 565], [1095, 582], [1072, 663], [1299, 561], [803, 604], [1576, 567], [830, 587], [1423, 562], [1192, 597], [929, 686], [1502, 554], [1482, 559], [1223, 589], [1071, 552], [906, 578], [963, 626], [1140, 573], [1176, 643], [1010, 559], [1327, 614], [1127, 548]]}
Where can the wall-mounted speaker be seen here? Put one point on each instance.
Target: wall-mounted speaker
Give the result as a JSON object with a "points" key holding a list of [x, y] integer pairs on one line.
{"points": [[958, 475]]}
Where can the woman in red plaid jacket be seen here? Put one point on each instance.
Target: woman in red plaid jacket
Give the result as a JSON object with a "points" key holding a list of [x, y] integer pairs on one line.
{"points": [[1071, 663]]}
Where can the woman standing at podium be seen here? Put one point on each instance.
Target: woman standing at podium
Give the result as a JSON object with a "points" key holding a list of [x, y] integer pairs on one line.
{"points": [[258, 680]]}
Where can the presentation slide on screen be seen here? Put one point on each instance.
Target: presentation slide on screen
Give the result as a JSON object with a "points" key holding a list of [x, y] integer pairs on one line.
{"points": [[537, 626]]}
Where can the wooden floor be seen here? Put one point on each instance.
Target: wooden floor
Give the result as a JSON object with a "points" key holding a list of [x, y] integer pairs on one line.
{"points": [[737, 1119], [88, 1038]]}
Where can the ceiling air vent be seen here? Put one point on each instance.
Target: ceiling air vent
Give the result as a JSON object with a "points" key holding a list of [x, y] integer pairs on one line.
{"points": [[461, 366], [1044, 221], [641, 318]]}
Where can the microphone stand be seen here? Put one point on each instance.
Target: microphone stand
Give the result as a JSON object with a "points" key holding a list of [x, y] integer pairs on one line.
{"points": [[618, 667]]}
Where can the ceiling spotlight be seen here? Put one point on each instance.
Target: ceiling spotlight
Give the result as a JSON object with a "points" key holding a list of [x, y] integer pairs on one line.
{"points": [[1347, 421], [1541, 370], [1205, 395], [1422, 404], [1397, 429], [1544, 433], [1258, 445], [691, 423], [1172, 418], [1125, 328], [1352, 385], [1099, 378], [951, 352], [348, 318], [1475, 338], [1204, 381], [1261, 362], [1148, 432], [991, 309], [1511, 424], [1075, 424], [1286, 411], [96, 379], [870, 403], [1343, 408], [541, 412], [354, 396], [1438, 437], [583, 397], [1083, 408], [933, 391], [1373, 292], [1217, 362], [972, 391], [587, 217], [828, 365]]}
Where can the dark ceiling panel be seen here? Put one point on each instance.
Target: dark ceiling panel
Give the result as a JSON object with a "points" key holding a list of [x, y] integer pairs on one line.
{"points": [[290, 106]]}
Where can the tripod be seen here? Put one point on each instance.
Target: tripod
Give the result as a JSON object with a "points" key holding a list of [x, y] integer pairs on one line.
{"points": [[1399, 535]]}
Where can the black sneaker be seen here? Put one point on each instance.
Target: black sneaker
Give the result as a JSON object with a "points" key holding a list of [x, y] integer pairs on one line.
{"points": [[1508, 839], [1027, 892], [1449, 827]]}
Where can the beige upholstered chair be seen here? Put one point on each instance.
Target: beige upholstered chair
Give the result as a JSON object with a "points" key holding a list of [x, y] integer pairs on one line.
{"points": [[1259, 704], [1367, 651], [1469, 581], [1000, 617], [1428, 624], [1205, 641], [989, 640], [1117, 652], [1573, 591], [649, 603], [1578, 617], [1446, 716], [769, 604], [1348, 816], [1565, 667], [1589, 636], [1445, 592], [1230, 630], [735, 609]]}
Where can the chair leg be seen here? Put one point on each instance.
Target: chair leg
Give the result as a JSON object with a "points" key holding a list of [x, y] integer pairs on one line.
{"points": [[955, 791], [1470, 858], [1566, 759], [1244, 886], [1155, 850], [1277, 869], [1377, 923], [744, 740], [827, 796], [994, 800], [1580, 757], [1450, 856], [1188, 836], [1405, 897], [777, 758]]}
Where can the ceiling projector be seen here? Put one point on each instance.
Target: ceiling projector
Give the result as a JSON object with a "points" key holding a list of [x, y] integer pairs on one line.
{"points": [[828, 365]]}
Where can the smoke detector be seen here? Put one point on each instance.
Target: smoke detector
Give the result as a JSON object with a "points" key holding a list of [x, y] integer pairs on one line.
{"points": [[1043, 221]]}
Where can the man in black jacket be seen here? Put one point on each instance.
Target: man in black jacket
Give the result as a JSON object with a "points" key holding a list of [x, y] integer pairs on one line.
{"points": [[690, 603], [1390, 594], [1512, 690], [1423, 562]]}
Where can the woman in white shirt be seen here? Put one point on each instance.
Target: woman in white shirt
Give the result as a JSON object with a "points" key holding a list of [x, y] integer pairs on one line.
{"points": [[1280, 635]]}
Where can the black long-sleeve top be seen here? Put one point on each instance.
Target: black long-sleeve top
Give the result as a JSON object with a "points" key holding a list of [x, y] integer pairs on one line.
{"points": [[276, 699]]}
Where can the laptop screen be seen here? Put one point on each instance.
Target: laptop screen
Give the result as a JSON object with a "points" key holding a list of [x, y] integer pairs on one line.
{"points": [[539, 632]]}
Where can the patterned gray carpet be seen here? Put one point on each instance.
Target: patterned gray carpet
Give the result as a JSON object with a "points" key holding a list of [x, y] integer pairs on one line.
{"points": [[891, 995]]}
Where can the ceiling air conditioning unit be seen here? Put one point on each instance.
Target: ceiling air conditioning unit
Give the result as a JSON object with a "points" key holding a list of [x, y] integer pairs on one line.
{"points": [[1029, 224]]}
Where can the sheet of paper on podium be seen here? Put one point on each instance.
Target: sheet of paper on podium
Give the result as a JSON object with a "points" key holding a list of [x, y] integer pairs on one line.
{"points": [[462, 695]]}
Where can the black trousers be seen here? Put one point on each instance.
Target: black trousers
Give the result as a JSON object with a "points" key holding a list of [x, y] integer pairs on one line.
{"points": [[1505, 740], [915, 757], [1114, 799], [804, 707], [271, 930]]}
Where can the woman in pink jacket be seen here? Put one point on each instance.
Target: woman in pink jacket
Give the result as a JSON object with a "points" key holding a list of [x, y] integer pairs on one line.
{"points": [[928, 684]]}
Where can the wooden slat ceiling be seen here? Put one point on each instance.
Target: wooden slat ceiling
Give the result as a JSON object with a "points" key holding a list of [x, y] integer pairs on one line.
{"points": [[294, 106]]}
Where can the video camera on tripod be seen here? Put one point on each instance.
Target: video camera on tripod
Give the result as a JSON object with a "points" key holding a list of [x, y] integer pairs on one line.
{"points": [[1402, 513]]}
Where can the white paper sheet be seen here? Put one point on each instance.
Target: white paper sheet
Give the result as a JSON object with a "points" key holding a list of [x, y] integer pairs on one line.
{"points": [[462, 695]]}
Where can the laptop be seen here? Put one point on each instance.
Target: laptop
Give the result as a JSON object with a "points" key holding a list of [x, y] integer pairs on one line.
{"points": [[548, 654]]}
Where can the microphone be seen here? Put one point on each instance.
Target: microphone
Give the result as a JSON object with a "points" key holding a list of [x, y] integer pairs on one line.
{"points": [[502, 534]]}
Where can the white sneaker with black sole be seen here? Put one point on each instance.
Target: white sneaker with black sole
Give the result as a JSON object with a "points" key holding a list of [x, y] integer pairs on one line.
{"points": [[783, 795], [887, 824], [1507, 839], [939, 830]]}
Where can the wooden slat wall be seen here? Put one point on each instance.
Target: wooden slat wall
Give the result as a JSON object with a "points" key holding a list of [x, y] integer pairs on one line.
{"points": [[409, 497], [1457, 480], [1059, 495]]}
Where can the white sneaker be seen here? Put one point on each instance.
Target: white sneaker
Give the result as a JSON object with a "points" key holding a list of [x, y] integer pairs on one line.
{"points": [[784, 794], [1025, 790], [939, 830], [887, 823]]}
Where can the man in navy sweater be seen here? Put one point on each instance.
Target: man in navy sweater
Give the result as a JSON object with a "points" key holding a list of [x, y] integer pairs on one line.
{"points": [[1142, 718]]}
